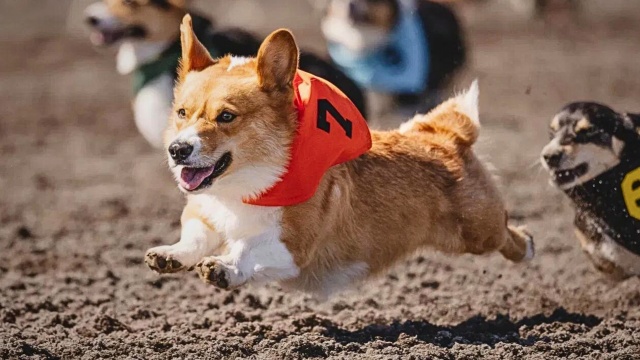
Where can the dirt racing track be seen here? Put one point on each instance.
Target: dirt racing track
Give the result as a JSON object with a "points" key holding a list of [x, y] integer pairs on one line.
{"points": [[82, 197]]}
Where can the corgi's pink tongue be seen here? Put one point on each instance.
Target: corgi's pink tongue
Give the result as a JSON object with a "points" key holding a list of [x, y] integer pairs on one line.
{"points": [[191, 178], [104, 37]]}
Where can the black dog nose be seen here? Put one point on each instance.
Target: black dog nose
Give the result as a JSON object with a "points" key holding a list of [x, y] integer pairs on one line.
{"points": [[553, 159], [92, 20], [180, 151]]}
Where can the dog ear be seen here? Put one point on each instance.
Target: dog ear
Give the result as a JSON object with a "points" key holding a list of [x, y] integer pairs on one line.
{"points": [[195, 57], [277, 60], [628, 128], [635, 121], [619, 125]]}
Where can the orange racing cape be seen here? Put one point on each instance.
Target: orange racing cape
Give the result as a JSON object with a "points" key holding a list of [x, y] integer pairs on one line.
{"points": [[330, 131]]}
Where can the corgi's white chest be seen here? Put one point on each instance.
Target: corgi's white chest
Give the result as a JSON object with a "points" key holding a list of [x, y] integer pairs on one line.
{"points": [[237, 220]]}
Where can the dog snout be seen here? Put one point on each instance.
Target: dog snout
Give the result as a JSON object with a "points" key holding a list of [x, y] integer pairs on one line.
{"points": [[180, 151], [553, 158], [92, 21], [97, 15]]}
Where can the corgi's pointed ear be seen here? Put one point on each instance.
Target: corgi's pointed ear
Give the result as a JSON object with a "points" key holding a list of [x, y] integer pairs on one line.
{"points": [[277, 60], [195, 57]]}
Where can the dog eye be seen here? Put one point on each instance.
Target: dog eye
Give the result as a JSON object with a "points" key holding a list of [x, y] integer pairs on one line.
{"points": [[225, 117], [182, 113], [586, 132], [129, 3]]}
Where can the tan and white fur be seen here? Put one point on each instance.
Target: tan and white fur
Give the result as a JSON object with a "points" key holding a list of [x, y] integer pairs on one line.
{"points": [[418, 187]]}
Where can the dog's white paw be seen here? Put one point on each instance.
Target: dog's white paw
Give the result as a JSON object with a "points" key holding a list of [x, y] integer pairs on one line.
{"points": [[212, 270], [169, 259]]}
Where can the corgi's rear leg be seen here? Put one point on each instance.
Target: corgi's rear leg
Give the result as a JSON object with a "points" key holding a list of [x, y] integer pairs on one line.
{"points": [[491, 232], [514, 243], [518, 245]]}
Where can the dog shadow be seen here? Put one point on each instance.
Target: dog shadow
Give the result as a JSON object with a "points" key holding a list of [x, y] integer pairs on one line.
{"points": [[475, 330]]}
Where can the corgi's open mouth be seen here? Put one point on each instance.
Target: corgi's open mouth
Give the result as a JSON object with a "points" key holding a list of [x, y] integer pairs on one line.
{"points": [[104, 37], [197, 178], [566, 176]]}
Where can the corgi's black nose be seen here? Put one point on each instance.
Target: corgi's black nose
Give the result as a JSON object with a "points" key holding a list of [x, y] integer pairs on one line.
{"points": [[180, 151], [92, 21], [553, 159]]}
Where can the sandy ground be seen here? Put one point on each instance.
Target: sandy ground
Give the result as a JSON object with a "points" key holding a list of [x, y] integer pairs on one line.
{"points": [[82, 197]]}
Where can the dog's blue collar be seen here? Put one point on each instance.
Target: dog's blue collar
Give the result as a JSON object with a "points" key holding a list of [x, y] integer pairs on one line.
{"points": [[399, 66]]}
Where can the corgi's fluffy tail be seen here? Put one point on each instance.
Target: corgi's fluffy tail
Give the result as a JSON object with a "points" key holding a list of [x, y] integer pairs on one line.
{"points": [[457, 117]]}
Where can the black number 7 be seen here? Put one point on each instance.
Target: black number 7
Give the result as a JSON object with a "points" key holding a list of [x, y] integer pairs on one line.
{"points": [[324, 107]]}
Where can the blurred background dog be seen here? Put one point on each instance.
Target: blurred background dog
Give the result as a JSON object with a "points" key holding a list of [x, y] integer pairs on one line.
{"points": [[146, 33], [408, 49], [532, 9]]}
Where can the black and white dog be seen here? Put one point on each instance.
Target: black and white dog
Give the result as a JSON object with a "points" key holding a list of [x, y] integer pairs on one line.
{"points": [[147, 32], [409, 49], [594, 157]]}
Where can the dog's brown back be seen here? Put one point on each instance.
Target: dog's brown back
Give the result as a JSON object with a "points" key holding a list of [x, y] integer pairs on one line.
{"points": [[418, 187]]}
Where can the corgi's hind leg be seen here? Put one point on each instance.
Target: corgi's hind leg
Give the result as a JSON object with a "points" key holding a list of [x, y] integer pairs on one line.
{"points": [[514, 243], [518, 244]]}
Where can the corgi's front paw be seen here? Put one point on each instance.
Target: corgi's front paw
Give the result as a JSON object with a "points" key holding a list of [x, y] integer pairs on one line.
{"points": [[161, 260], [215, 272]]}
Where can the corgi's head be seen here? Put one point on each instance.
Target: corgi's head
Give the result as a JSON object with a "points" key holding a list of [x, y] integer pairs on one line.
{"points": [[233, 118], [587, 139], [360, 25], [148, 20]]}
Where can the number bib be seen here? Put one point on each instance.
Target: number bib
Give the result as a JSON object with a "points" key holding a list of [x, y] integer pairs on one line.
{"points": [[610, 203], [330, 131]]}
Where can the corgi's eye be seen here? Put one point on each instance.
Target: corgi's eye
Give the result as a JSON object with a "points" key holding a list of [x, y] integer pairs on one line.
{"points": [[182, 113], [129, 3], [225, 117]]}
